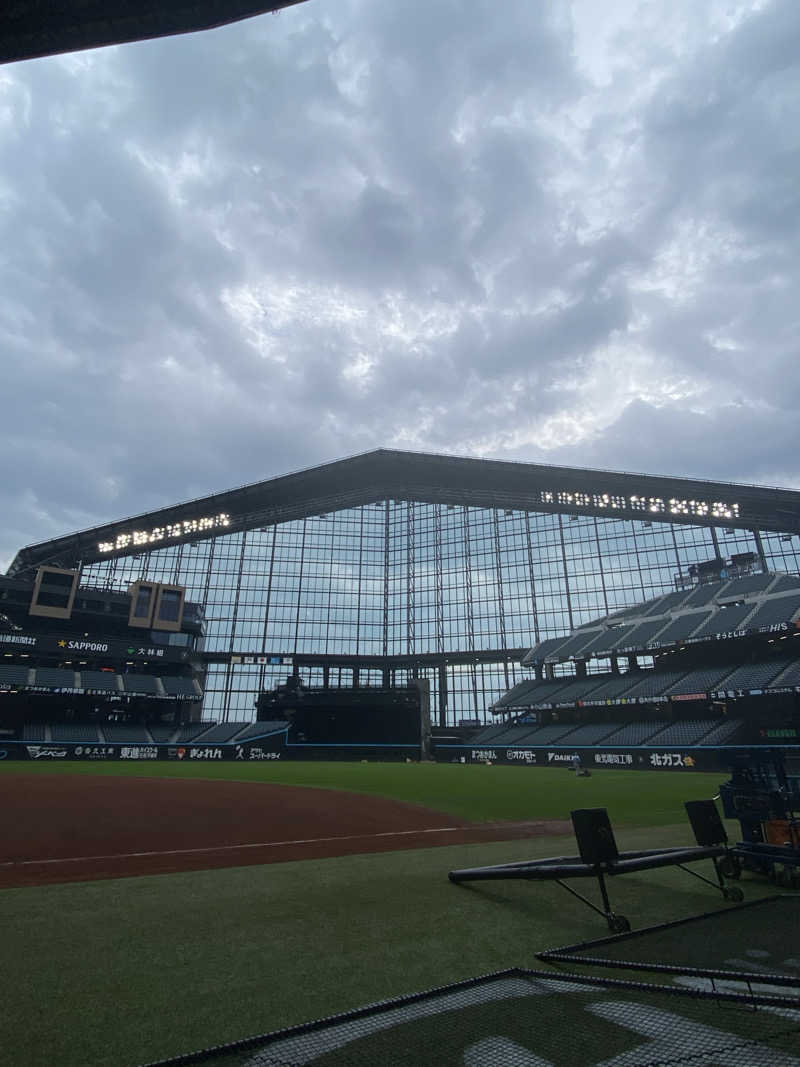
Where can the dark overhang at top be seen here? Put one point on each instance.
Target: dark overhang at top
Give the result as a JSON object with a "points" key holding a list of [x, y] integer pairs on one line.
{"points": [[33, 28], [391, 475]]}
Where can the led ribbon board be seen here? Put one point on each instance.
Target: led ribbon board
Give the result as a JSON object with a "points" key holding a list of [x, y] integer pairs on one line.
{"points": [[170, 532], [650, 505]]}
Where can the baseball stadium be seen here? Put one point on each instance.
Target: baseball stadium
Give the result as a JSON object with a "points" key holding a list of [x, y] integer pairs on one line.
{"points": [[262, 747], [402, 759]]}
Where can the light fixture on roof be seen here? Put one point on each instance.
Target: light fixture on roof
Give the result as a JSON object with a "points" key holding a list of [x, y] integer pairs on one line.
{"points": [[786, 537]]}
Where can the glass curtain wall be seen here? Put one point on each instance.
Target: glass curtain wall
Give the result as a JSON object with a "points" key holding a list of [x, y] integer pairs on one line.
{"points": [[400, 578]]}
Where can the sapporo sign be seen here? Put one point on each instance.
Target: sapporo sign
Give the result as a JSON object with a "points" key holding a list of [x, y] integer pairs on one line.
{"points": [[91, 645]]}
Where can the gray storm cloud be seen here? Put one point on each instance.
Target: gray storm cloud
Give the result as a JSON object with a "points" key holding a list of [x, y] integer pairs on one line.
{"points": [[371, 224]]}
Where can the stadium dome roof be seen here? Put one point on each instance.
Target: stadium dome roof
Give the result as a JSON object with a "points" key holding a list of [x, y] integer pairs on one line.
{"points": [[34, 28], [386, 474]]}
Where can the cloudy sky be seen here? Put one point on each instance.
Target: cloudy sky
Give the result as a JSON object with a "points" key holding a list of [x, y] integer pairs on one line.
{"points": [[561, 232]]}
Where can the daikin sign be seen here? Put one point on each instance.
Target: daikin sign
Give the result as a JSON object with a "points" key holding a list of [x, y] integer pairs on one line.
{"points": [[169, 532]]}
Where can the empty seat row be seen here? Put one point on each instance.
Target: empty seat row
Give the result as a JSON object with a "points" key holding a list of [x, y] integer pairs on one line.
{"points": [[633, 733], [686, 732], [221, 733], [261, 729]]}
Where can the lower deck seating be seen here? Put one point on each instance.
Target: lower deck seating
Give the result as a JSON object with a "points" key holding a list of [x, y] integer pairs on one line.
{"points": [[512, 735], [36, 731], [634, 733], [590, 733], [261, 729], [686, 732], [191, 731], [176, 686], [722, 734], [162, 734], [65, 731], [12, 674], [119, 734], [222, 733]]}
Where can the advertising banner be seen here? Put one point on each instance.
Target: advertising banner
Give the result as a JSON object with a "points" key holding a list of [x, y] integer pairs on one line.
{"points": [[267, 748], [631, 759], [66, 644]]}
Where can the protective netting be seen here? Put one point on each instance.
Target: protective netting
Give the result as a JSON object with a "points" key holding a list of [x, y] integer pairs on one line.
{"points": [[756, 943], [538, 1019]]}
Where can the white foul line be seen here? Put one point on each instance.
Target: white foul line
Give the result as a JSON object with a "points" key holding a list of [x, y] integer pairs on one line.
{"points": [[234, 848]]}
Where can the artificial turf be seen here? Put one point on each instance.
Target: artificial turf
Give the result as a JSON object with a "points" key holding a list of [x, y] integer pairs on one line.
{"points": [[127, 971], [130, 970]]}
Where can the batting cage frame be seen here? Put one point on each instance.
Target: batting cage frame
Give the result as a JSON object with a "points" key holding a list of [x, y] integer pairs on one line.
{"points": [[766, 1026], [589, 953]]}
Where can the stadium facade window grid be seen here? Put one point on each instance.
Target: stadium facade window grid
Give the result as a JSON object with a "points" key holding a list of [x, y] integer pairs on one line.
{"points": [[399, 578]]}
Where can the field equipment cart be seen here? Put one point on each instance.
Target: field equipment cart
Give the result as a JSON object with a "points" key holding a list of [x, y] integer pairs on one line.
{"points": [[764, 795]]}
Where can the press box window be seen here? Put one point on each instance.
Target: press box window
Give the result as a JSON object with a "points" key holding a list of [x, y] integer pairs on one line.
{"points": [[143, 599], [53, 593], [169, 608]]}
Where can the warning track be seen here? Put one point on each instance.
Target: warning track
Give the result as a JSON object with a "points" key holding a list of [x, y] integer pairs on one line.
{"points": [[75, 828]]}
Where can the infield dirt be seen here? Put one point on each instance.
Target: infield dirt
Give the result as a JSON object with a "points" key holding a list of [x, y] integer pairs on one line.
{"points": [[68, 829]]}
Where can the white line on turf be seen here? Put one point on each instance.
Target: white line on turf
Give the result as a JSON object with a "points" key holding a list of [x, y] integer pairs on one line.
{"points": [[233, 848]]}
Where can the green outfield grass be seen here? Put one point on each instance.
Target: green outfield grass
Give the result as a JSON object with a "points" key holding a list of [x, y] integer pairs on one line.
{"points": [[130, 970], [471, 791]]}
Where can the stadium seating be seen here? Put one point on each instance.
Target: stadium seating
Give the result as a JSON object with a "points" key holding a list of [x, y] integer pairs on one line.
{"points": [[260, 729], [103, 680], [545, 648], [122, 734], [577, 690], [55, 677], [36, 731], [541, 693], [182, 687], [11, 674], [547, 735], [222, 733], [722, 734], [751, 583], [512, 735], [142, 683], [63, 731], [686, 732], [781, 609], [789, 676], [607, 639], [577, 642], [725, 620], [702, 680], [612, 687], [191, 731], [644, 632], [664, 604], [702, 594], [784, 582], [753, 675], [590, 733], [517, 692], [654, 683], [634, 733], [162, 734], [489, 732], [682, 627]]}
